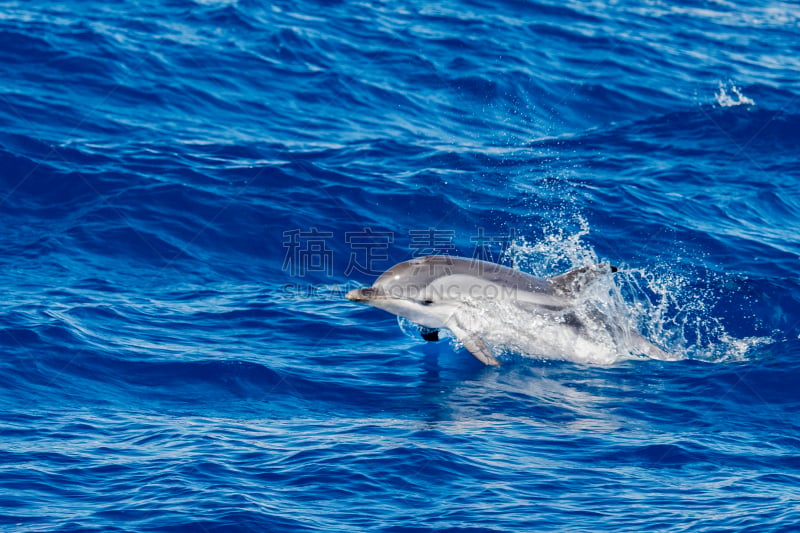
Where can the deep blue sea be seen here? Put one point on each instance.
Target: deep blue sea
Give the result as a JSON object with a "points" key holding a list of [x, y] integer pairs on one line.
{"points": [[188, 188]]}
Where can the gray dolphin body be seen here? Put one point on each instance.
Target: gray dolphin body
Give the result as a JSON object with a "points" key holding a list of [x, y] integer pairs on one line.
{"points": [[431, 291]]}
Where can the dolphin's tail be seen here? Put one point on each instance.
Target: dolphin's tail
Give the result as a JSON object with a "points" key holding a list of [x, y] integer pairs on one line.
{"points": [[645, 347]]}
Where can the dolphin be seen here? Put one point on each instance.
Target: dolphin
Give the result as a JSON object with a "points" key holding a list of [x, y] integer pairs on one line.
{"points": [[438, 291]]}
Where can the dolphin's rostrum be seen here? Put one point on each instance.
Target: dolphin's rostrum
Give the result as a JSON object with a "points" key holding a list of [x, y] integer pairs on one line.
{"points": [[433, 290]]}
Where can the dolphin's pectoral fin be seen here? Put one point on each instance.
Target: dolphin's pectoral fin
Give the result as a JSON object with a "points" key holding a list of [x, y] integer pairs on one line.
{"points": [[473, 343], [478, 348], [429, 334], [574, 281]]}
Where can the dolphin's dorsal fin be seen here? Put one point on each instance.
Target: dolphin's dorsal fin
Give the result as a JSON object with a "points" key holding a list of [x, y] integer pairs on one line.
{"points": [[574, 281], [473, 343]]}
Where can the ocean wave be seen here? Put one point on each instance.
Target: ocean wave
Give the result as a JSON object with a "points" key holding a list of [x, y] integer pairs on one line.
{"points": [[170, 364]]}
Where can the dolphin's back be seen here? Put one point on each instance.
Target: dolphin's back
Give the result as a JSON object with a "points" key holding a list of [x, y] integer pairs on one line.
{"points": [[416, 274]]}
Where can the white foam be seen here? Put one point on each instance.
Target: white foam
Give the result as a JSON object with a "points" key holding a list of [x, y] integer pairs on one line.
{"points": [[724, 99]]}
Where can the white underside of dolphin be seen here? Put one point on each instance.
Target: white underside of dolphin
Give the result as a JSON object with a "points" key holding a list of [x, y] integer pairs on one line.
{"points": [[484, 304]]}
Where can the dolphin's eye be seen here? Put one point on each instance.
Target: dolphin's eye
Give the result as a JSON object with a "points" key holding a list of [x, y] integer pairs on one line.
{"points": [[426, 302]]}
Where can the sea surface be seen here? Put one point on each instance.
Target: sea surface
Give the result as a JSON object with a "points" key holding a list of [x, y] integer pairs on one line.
{"points": [[189, 188]]}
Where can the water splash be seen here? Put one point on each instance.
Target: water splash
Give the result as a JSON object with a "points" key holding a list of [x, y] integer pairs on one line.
{"points": [[724, 99], [677, 311], [674, 311]]}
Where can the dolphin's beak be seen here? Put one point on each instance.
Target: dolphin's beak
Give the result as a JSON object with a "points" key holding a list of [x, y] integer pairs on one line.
{"points": [[362, 295]]}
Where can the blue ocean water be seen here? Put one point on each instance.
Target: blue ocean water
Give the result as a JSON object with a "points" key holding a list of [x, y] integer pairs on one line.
{"points": [[188, 188]]}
